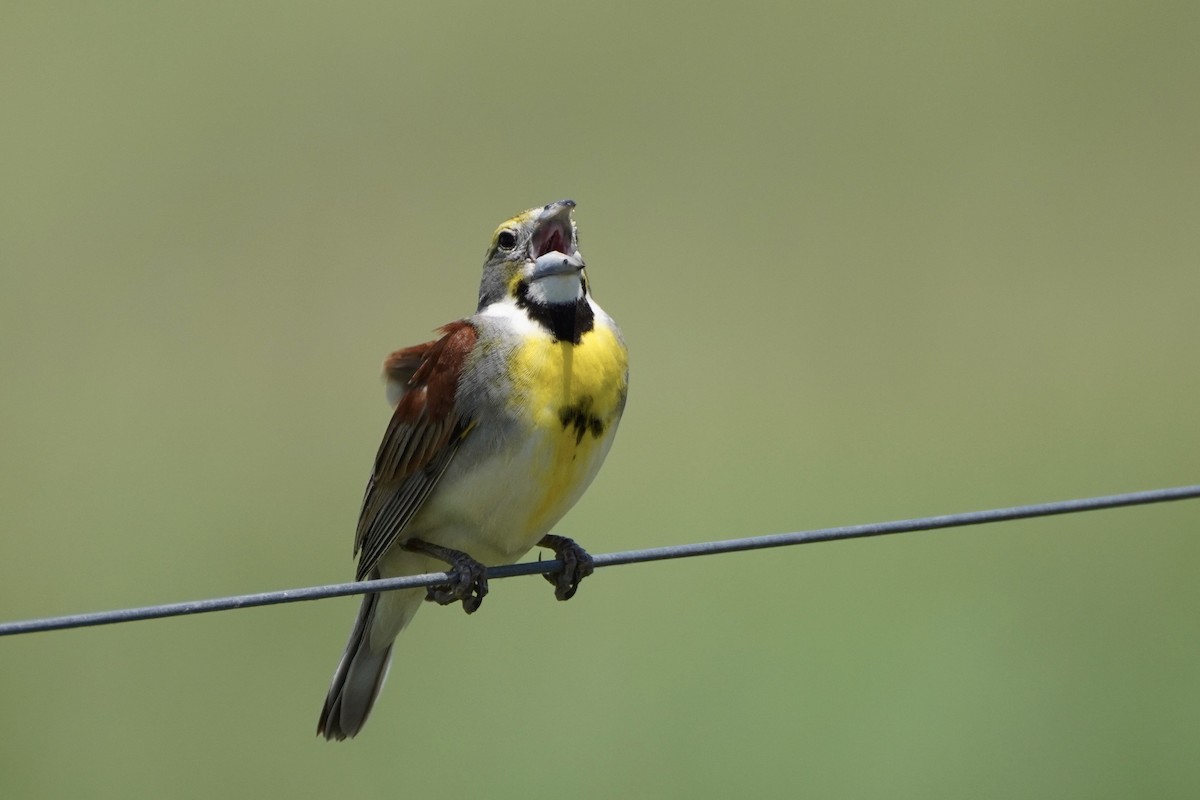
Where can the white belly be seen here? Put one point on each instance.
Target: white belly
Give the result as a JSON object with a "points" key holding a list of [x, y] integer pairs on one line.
{"points": [[497, 508]]}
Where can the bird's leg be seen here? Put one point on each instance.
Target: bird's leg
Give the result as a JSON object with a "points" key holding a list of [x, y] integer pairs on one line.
{"points": [[468, 581], [577, 565]]}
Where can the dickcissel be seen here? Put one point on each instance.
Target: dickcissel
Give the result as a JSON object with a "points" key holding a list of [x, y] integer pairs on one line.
{"points": [[499, 426]]}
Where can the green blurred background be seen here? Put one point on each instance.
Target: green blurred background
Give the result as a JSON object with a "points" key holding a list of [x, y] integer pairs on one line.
{"points": [[873, 260]]}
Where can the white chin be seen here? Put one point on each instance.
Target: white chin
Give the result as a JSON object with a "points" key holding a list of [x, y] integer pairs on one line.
{"points": [[556, 289]]}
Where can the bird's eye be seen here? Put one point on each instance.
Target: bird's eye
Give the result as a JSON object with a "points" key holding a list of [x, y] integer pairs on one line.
{"points": [[507, 240]]}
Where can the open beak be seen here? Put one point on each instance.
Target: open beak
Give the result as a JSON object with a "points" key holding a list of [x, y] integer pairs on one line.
{"points": [[553, 232], [555, 263]]}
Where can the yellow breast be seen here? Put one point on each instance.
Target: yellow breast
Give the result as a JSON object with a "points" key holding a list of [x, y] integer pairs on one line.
{"points": [[572, 396]]}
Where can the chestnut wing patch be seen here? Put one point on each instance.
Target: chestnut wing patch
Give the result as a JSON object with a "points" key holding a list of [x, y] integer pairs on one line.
{"points": [[422, 437]]}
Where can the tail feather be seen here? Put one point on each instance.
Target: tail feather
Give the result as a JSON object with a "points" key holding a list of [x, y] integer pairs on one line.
{"points": [[364, 666], [357, 680]]}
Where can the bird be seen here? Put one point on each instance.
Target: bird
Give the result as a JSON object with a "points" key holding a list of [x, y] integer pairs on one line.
{"points": [[498, 427]]}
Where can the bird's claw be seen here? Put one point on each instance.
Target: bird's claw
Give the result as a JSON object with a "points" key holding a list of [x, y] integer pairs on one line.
{"points": [[468, 578], [468, 583], [577, 565]]}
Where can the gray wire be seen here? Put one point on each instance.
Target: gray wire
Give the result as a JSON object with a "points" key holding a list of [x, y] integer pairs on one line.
{"points": [[605, 560]]}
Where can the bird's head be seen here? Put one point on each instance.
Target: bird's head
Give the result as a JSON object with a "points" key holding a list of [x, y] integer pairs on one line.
{"points": [[534, 259]]}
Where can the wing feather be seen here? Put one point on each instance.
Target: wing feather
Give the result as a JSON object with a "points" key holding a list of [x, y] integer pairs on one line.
{"points": [[425, 432]]}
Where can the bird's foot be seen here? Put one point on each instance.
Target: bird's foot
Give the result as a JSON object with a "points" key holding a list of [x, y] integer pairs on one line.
{"points": [[577, 565], [468, 579]]}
